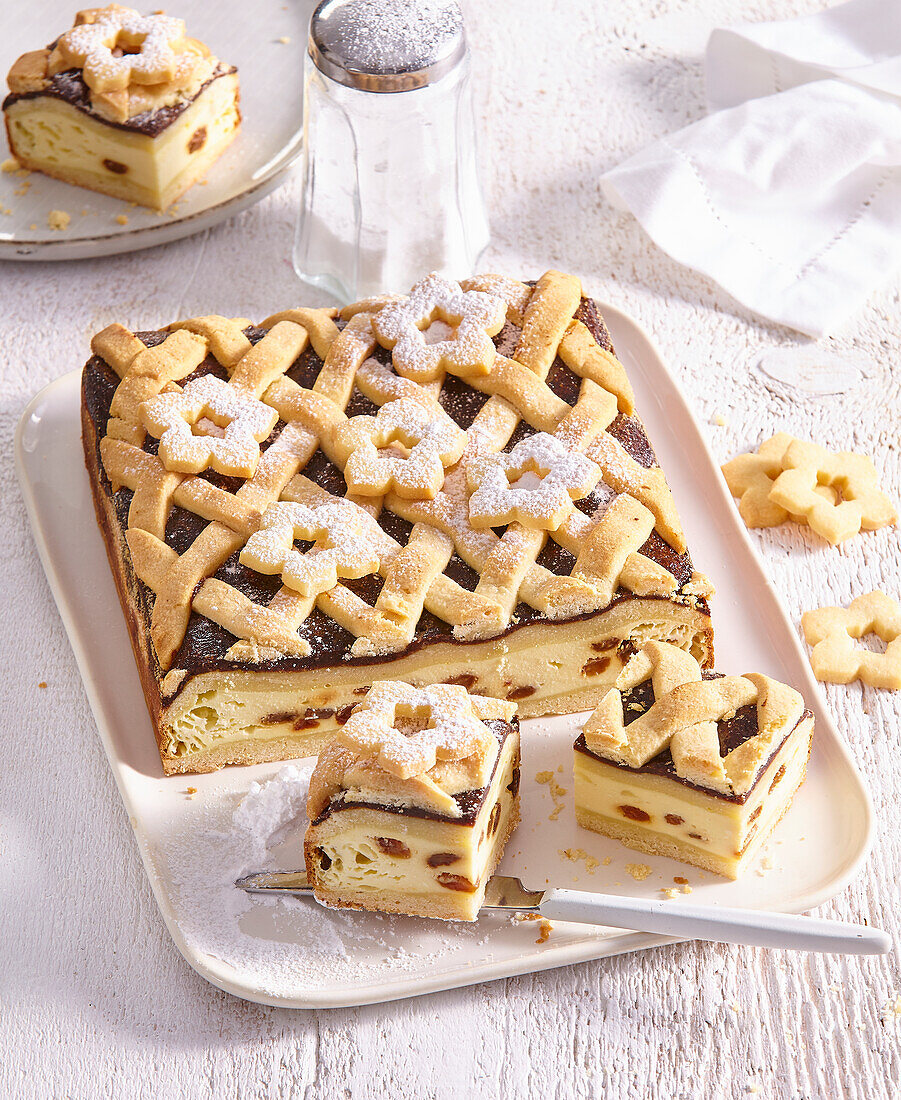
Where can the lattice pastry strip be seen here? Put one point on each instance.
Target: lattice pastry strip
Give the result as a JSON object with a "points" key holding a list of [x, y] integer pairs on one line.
{"points": [[684, 717]]}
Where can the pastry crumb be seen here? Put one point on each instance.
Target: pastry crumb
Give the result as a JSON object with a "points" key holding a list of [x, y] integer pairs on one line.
{"points": [[285, 40], [59, 219], [191, 790], [891, 1010], [638, 871], [122, 219], [544, 931], [544, 777], [10, 165], [686, 889], [33, 225], [42, 684], [720, 420], [23, 187], [680, 880], [605, 862], [575, 854], [669, 892]]}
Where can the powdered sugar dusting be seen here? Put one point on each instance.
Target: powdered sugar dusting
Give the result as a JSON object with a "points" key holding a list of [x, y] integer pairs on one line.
{"points": [[433, 439], [535, 483], [449, 729], [344, 541], [472, 316], [232, 425], [92, 45]]}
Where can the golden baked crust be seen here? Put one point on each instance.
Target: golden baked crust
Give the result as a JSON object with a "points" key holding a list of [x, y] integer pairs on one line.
{"points": [[377, 471]]}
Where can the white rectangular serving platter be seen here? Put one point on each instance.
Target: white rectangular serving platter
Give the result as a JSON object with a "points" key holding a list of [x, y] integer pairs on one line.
{"points": [[294, 954]]}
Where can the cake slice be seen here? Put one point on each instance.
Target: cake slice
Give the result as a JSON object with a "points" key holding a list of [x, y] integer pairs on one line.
{"points": [[123, 104], [412, 803], [681, 762]]}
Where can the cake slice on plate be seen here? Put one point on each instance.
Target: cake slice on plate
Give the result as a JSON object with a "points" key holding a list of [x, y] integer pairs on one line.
{"points": [[412, 803], [682, 762], [124, 104]]}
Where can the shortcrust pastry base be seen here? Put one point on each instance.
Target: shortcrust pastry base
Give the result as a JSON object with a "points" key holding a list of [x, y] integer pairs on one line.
{"points": [[727, 835]]}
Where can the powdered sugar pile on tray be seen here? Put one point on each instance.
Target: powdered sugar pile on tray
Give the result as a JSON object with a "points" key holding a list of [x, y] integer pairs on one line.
{"points": [[284, 944]]}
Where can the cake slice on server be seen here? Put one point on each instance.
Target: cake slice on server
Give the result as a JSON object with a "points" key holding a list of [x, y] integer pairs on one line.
{"points": [[681, 762], [412, 803], [122, 103]]}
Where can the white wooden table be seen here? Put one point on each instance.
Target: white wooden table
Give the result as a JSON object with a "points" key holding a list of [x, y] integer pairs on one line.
{"points": [[94, 998]]}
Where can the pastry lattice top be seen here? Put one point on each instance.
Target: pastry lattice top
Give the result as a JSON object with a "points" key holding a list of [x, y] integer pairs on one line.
{"points": [[411, 746], [305, 484], [683, 718], [129, 63]]}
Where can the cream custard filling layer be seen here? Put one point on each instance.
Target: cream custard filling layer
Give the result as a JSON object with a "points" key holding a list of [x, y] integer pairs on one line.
{"points": [[366, 857], [663, 816], [51, 136], [558, 668]]}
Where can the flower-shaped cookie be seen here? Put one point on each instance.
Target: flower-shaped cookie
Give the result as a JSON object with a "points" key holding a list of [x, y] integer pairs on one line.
{"points": [[461, 344], [233, 424], [806, 466], [118, 46], [832, 630], [836, 494], [750, 477], [535, 484], [342, 545], [429, 442], [408, 730]]}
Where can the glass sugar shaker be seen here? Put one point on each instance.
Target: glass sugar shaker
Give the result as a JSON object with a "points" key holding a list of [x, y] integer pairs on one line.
{"points": [[390, 175]]}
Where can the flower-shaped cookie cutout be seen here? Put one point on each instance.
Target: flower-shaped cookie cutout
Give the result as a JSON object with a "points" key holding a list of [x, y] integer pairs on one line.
{"points": [[535, 484], [461, 344], [405, 448], [118, 46], [209, 425], [807, 466], [837, 660], [407, 730], [342, 545]]}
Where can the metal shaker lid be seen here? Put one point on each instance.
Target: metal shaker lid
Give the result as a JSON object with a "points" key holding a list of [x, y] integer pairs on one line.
{"points": [[387, 45]]}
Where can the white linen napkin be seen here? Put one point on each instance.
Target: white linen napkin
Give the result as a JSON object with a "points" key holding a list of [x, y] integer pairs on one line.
{"points": [[789, 193]]}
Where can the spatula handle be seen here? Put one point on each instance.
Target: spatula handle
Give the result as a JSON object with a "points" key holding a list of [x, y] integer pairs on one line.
{"points": [[756, 927]]}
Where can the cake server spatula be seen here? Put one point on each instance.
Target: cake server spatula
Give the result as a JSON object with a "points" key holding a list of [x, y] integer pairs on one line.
{"points": [[756, 927]]}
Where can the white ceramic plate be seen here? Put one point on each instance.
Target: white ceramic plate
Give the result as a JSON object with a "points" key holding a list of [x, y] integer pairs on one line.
{"points": [[296, 954], [271, 75]]}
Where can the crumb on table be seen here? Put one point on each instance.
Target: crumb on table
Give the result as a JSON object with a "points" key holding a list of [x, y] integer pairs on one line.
{"points": [[122, 219], [10, 165], [638, 871], [42, 684], [285, 40]]}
